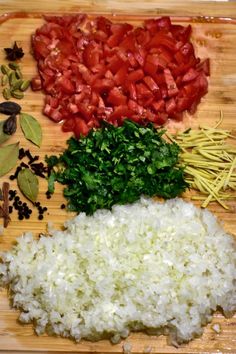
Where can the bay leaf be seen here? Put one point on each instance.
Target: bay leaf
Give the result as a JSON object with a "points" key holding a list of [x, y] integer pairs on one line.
{"points": [[28, 184], [31, 128], [8, 157], [3, 137]]}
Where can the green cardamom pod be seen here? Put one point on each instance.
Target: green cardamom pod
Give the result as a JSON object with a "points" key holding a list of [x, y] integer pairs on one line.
{"points": [[13, 66], [17, 85], [5, 69], [10, 125], [6, 93], [17, 94], [12, 78], [25, 84], [19, 74], [4, 80]]}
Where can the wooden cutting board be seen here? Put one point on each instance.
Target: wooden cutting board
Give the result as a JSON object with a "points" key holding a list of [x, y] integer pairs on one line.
{"points": [[216, 40]]}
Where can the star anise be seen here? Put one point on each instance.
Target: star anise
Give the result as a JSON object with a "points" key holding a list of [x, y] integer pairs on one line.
{"points": [[14, 53]]}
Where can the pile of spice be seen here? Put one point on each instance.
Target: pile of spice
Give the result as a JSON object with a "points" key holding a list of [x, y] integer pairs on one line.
{"points": [[27, 169], [12, 81]]}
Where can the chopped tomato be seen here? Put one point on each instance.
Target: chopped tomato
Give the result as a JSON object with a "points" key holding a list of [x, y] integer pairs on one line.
{"points": [[116, 97], [80, 127], [36, 83], [97, 69], [68, 125], [136, 75]]}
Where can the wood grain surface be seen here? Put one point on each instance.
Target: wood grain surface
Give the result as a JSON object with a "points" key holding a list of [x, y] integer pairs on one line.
{"points": [[214, 40]]}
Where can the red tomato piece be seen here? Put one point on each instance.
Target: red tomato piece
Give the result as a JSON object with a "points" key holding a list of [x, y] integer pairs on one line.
{"points": [[80, 127], [162, 39], [142, 36], [181, 33], [103, 85], [129, 43], [161, 119], [150, 68], [115, 63], [158, 106], [205, 66], [152, 85], [136, 75], [91, 55], [103, 24], [53, 113], [68, 125], [134, 106], [170, 106], [36, 83], [121, 75], [170, 83], [121, 112], [190, 75], [116, 97], [65, 84], [132, 90], [143, 91]]}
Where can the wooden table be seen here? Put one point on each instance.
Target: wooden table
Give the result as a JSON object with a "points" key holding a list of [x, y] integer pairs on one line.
{"points": [[216, 40]]}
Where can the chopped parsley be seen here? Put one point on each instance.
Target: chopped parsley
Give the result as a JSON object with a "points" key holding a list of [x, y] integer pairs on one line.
{"points": [[116, 165]]}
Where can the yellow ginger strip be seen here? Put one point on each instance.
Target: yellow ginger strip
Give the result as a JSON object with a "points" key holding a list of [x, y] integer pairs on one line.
{"points": [[210, 162], [215, 192], [226, 182]]}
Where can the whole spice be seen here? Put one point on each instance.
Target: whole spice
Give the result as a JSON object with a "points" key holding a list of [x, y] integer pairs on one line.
{"points": [[6, 93], [31, 128], [28, 184], [24, 85], [9, 108], [8, 157], [14, 53], [17, 94], [5, 80], [10, 125], [13, 66], [4, 209], [5, 69]]}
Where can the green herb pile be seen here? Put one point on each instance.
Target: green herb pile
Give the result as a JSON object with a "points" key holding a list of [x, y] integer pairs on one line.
{"points": [[116, 166]]}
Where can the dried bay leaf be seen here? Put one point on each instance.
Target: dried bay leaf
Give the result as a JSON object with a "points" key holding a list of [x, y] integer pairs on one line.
{"points": [[8, 157], [28, 184], [3, 137], [31, 128]]}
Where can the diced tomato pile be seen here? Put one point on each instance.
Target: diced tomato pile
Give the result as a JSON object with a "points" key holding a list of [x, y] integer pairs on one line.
{"points": [[94, 70]]}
